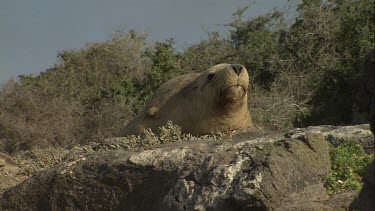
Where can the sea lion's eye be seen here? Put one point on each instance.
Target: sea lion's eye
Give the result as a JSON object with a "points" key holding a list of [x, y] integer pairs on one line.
{"points": [[210, 76]]}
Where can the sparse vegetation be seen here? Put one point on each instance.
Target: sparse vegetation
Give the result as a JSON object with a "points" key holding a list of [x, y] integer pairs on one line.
{"points": [[38, 159], [303, 73], [348, 165]]}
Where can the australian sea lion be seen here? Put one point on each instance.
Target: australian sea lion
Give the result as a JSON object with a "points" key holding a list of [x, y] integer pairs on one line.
{"points": [[200, 103]]}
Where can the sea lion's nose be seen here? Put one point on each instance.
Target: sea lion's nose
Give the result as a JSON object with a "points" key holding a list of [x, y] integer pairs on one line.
{"points": [[237, 68]]}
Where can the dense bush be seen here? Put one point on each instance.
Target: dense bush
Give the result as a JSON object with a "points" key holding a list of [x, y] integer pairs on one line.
{"points": [[302, 72], [207, 53], [312, 64], [351, 30]]}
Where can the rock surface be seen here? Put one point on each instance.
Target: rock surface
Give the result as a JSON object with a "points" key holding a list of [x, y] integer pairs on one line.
{"points": [[265, 173], [336, 135], [365, 199]]}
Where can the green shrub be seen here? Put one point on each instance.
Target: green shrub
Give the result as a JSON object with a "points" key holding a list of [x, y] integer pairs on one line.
{"points": [[165, 64], [214, 50], [346, 35], [255, 43], [348, 164]]}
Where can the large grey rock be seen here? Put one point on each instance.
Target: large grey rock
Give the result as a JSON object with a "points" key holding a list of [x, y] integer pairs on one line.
{"points": [[336, 135], [259, 174], [266, 173], [365, 200]]}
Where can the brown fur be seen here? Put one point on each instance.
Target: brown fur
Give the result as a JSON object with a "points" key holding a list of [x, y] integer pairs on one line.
{"points": [[7, 164], [205, 103]]}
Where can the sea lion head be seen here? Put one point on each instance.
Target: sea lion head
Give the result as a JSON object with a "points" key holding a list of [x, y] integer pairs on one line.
{"points": [[224, 85]]}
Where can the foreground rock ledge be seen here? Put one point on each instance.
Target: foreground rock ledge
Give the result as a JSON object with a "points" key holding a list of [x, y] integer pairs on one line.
{"points": [[260, 174]]}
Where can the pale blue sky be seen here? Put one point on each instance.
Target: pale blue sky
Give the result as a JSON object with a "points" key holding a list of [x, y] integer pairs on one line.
{"points": [[32, 32]]}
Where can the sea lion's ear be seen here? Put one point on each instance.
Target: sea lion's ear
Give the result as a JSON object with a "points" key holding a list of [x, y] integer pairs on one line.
{"points": [[195, 88], [152, 111]]}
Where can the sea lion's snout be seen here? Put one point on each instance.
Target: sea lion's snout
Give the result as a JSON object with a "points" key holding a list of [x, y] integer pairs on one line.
{"points": [[234, 84], [236, 74], [237, 68]]}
